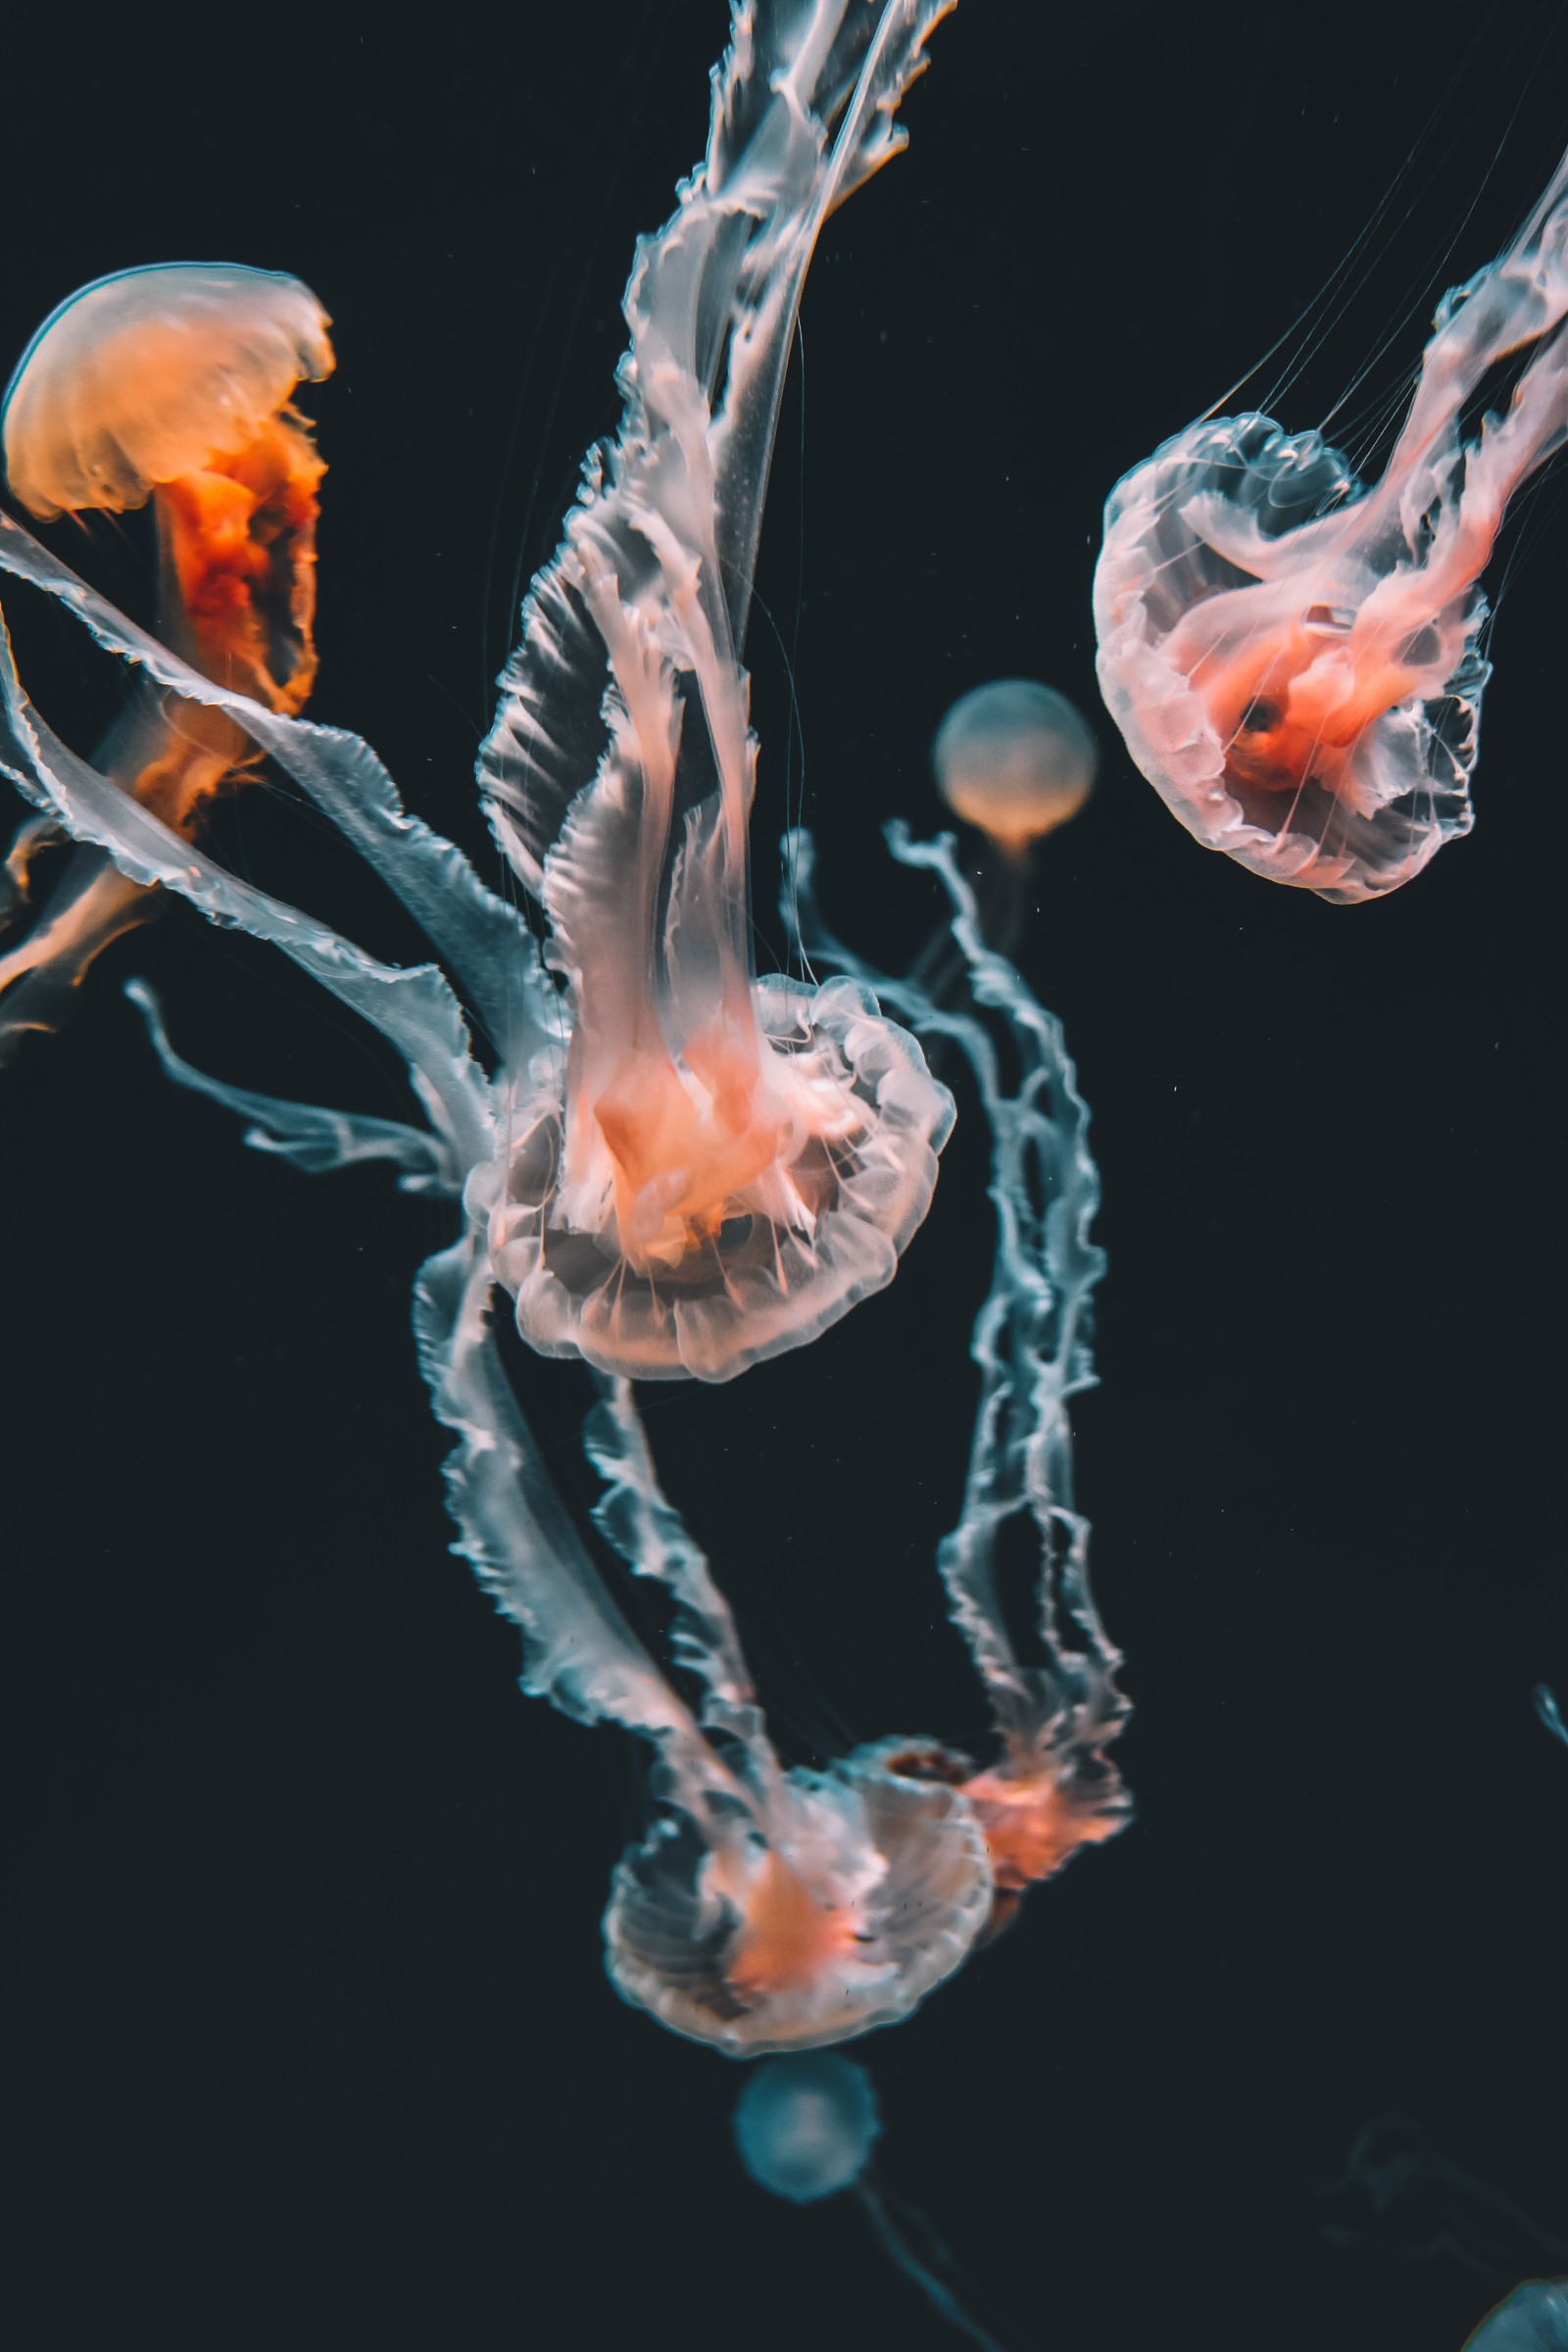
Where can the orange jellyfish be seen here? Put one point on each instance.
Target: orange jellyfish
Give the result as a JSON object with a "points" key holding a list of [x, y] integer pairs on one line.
{"points": [[721, 1166], [1294, 659], [174, 384]]}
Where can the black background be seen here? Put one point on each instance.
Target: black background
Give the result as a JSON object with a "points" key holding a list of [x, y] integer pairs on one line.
{"points": [[313, 2042]]}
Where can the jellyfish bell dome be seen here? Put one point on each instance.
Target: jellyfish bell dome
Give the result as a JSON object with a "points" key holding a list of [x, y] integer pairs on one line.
{"points": [[806, 2126], [707, 1206], [864, 1892], [1016, 759], [1533, 2319], [1260, 650], [147, 376]]}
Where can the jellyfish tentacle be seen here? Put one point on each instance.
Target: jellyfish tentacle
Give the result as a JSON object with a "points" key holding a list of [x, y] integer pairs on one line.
{"points": [[414, 1007], [482, 939], [1054, 1789], [307, 1135]]}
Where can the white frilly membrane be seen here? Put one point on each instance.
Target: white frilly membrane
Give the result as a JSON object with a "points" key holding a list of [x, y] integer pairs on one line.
{"points": [[722, 1166], [1051, 1788], [1294, 659]]}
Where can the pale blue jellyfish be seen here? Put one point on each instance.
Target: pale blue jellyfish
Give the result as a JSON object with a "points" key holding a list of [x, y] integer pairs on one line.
{"points": [[1550, 1713], [806, 2128], [1295, 658], [1533, 2319], [1016, 759]]}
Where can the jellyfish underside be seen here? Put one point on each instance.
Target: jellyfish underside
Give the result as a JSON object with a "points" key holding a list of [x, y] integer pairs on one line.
{"points": [[172, 385], [1294, 660]]}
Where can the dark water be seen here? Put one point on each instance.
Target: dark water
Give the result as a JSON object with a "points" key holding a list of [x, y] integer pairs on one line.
{"points": [[315, 2046]]}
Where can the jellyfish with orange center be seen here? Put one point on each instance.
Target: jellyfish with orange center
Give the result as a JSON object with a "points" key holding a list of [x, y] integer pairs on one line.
{"points": [[718, 1166], [1294, 660], [172, 385]]}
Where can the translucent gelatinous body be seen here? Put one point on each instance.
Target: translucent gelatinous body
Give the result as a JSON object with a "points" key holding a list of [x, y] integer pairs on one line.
{"points": [[1294, 660], [1533, 2319], [721, 1169], [172, 383], [805, 2127], [1016, 759]]}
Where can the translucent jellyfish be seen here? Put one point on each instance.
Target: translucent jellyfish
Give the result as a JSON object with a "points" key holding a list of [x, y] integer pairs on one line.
{"points": [[806, 2128], [171, 384], [1533, 2319], [765, 1909], [1550, 1713], [1295, 659], [1016, 759], [1429, 2208], [722, 1165]]}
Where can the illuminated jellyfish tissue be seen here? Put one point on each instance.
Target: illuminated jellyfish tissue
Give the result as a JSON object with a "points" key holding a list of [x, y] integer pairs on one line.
{"points": [[172, 385], [1295, 658]]}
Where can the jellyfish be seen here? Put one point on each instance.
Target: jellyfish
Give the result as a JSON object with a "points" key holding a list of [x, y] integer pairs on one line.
{"points": [[1432, 2209], [1533, 2319], [1015, 760], [806, 2128], [1293, 658], [171, 384], [765, 1909], [1550, 1713], [722, 1165]]}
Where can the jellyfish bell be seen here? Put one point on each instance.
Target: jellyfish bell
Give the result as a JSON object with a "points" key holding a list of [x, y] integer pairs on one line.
{"points": [[806, 2126], [860, 1891], [717, 1167], [1295, 658], [1533, 2319], [173, 383], [1014, 758]]}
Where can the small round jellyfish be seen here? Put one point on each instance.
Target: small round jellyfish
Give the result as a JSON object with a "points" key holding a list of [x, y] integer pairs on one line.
{"points": [[1533, 2319], [1016, 759], [806, 2127], [1295, 659], [172, 383]]}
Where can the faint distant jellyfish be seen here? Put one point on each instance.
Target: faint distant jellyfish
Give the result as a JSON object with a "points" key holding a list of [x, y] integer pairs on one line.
{"points": [[1295, 659], [1533, 2319], [171, 384], [1014, 759], [806, 2128], [1550, 1713], [723, 1165]]}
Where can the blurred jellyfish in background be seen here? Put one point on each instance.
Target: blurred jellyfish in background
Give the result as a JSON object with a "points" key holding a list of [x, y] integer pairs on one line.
{"points": [[1429, 2209], [1533, 2319], [174, 384], [1550, 1713], [1014, 759], [806, 2129], [1295, 658]]}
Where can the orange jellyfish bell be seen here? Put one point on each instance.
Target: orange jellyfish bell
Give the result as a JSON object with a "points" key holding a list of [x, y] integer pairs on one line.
{"points": [[173, 383], [1016, 759]]}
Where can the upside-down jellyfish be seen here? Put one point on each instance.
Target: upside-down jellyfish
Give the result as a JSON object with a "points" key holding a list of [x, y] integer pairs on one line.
{"points": [[173, 385], [723, 1165], [1295, 659]]}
